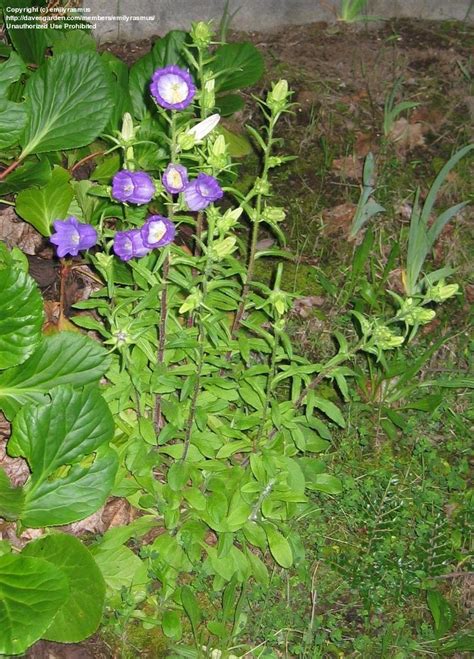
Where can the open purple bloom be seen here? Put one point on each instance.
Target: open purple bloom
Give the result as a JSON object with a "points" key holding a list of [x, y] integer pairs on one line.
{"points": [[202, 191], [172, 88], [157, 231], [175, 178], [129, 245], [72, 236], [134, 187]]}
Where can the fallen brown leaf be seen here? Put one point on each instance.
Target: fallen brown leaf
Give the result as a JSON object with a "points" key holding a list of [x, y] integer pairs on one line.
{"points": [[348, 167], [338, 219], [17, 233], [406, 136]]}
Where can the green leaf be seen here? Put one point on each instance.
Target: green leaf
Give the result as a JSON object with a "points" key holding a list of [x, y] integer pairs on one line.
{"points": [[30, 44], [191, 607], [31, 173], [81, 613], [442, 612], [11, 71], [13, 118], [64, 358], [121, 569], [164, 52], [31, 593], [21, 315], [11, 498], [41, 206], [68, 101], [118, 76], [64, 443], [279, 546], [330, 410], [325, 483], [240, 65], [171, 624], [229, 104], [237, 145]]}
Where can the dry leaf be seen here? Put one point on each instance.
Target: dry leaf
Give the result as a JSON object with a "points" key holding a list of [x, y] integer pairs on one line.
{"points": [[348, 167], [15, 468], [303, 306], [17, 233], [406, 136], [338, 219], [117, 512]]}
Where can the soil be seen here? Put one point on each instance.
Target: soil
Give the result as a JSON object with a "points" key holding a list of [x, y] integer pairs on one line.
{"points": [[341, 76]]}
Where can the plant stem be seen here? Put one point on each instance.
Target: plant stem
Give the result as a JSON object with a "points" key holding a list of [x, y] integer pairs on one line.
{"points": [[157, 420], [9, 169], [255, 230]]}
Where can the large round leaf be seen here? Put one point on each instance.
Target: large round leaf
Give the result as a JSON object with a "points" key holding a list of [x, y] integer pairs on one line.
{"points": [[64, 358], [239, 65], [81, 613], [21, 315], [31, 593], [69, 102], [65, 444]]}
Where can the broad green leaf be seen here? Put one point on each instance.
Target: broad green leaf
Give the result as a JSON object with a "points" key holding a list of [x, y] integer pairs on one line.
{"points": [[32, 173], [228, 104], [64, 358], [325, 483], [121, 569], [21, 315], [171, 624], [81, 613], [31, 593], [65, 445], [30, 44], [11, 498], [238, 146], [240, 65], [41, 206], [68, 101], [11, 71], [13, 118], [330, 410], [279, 546], [62, 40], [442, 612], [118, 77], [164, 52]]}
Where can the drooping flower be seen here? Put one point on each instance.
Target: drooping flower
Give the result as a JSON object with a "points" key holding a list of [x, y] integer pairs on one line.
{"points": [[129, 245], [73, 236], [172, 88], [175, 178], [134, 187], [202, 191], [157, 231]]}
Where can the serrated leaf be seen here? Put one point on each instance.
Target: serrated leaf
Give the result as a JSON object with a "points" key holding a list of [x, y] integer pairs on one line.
{"points": [[41, 206], [68, 101], [81, 613], [31, 173], [64, 358], [55, 439], [31, 593], [21, 315]]}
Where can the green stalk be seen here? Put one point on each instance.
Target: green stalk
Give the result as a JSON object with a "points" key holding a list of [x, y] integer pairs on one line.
{"points": [[157, 418], [255, 231]]}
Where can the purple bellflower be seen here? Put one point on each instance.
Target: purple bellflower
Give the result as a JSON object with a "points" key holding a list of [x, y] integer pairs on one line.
{"points": [[172, 88], [157, 231], [129, 245], [175, 178], [202, 191], [72, 236], [134, 187]]}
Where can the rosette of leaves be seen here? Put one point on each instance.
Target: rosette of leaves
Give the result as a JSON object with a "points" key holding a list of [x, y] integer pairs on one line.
{"points": [[61, 425]]}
